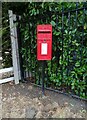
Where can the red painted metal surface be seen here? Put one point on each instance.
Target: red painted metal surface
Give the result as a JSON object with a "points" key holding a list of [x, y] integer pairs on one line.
{"points": [[44, 42]]}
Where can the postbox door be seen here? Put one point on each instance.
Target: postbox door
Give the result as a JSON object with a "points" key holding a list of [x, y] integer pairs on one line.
{"points": [[44, 50]]}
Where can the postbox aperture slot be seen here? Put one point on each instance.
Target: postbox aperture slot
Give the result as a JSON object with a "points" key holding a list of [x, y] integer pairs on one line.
{"points": [[44, 31]]}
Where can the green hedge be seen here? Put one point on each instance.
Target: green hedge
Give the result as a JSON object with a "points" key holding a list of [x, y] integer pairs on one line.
{"points": [[72, 75]]}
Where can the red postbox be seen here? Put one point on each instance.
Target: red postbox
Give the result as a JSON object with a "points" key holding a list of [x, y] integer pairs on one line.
{"points": [[44, 42]]}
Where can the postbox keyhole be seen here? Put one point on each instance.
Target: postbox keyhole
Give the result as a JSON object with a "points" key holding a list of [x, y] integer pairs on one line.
{"points": [[44, 40]]}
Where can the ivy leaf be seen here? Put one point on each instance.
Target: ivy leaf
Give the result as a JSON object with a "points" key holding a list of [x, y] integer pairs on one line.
{"points": [[53, 23], [66, 31], [84, 76], [77, 64], [85, 26], [77, 44]]}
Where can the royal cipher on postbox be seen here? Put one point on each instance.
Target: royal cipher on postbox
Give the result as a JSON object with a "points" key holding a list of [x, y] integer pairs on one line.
{"points": [[44, 42]]}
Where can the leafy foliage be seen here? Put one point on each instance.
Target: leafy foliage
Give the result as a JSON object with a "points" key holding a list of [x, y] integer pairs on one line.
{"points": [[68, 68]]}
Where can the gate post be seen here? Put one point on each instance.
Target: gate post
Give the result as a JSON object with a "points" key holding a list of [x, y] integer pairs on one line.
{"points": [[17, 51], [14, 46]]}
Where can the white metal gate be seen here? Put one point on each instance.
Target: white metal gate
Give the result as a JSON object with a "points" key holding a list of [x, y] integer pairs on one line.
{"points": [[15, 54]]}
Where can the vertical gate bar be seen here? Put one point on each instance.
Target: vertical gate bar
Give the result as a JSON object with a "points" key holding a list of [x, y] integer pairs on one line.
{"points": [[38, 77], [35, 70], [36, 64], [47, 75], [29, 47], [75, 36], [82, 34], [19, 46], [62, 38], [51, 65], [23, 45], [52, 51], [17, 51], [57, 46], [32, 49], [71, 66], [26, 55], [68, 44], [82, 42], [33, 53], [76, 17]]}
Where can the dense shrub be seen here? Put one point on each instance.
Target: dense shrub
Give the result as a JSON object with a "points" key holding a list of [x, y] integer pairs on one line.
{"points": [[68, 68]]}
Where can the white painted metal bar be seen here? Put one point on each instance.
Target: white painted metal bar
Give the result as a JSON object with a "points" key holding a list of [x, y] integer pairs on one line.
{"points": [[13, 44], [4, 70], [6, 80], [17, 51]]}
